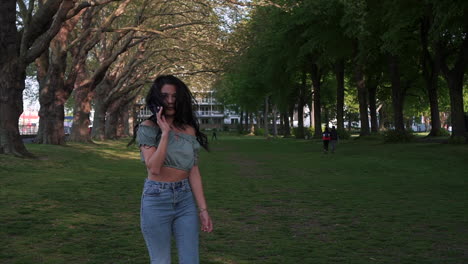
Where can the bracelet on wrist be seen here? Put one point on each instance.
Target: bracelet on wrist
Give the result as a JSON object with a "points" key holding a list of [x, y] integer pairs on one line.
{"points": [[200, 210]]}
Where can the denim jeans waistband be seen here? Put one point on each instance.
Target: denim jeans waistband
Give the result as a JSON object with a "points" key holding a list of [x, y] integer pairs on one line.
{"points": [[168, 185]]}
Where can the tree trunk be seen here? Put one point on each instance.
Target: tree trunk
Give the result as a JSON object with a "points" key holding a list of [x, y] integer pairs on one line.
{"points": [[275, 126], [382, 119], [52, 116], [362, 98], [265, 116], [11, 107], [112, 124], [327, 117], [430, 68], [11, 83], [339, 74], [120, 132], [300, 106], [52, 98], [455, 84], [317, 106], [252, 126], [454, 78], [99, 122], [397, 94], [81, 114], [373, 107], [126, 118], [287, 128], [53, 90], [241, 123], [246, 121]]}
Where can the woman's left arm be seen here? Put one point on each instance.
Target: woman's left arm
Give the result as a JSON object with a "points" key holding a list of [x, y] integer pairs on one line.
{"points": [[197, 189]]}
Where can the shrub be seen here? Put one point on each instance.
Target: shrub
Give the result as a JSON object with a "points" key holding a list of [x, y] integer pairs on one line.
{"points": [[308, 132], [393, 136], [259, 131], [444, 132], [343, 134]]}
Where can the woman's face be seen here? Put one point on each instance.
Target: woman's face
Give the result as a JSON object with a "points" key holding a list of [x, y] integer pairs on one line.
{"points": [[168, 92]]}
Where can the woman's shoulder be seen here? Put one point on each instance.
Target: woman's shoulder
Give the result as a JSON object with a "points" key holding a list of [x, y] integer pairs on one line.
{"points": [[190, 130], [148, 127], [148, 123]]}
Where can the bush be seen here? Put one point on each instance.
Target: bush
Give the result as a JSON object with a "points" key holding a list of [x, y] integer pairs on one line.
{"points": [[444, 132], [308, 132], [343, 134], [393, 136], [259, 131]]}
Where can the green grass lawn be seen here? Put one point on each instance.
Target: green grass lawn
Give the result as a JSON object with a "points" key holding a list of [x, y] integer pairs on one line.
{"points": [[272, 201]]}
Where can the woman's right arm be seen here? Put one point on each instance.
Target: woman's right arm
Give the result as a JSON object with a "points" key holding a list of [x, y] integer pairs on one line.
{"points": [[155, 156]]}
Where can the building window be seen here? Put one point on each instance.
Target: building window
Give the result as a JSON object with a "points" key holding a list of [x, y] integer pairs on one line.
{"points": [[234, 121]]}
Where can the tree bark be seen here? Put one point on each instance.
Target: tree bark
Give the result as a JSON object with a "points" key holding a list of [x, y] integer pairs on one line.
{"points": [[300, 106], [265, 116], [81, 114], [362, 98], [317, 106], [241, 123], [454, 78], [373, 106], [99, 122], [430, 68], [54, 90], [275, 126], [382, 119], [287, 128], [397, 94], [252, 126], [455, 84], [339, 75], [11, 107]]}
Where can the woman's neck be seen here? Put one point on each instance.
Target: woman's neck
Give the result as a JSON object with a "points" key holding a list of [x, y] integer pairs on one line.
{"points": [[169, 120]]}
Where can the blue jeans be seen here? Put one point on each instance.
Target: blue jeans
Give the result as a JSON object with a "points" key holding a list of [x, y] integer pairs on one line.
{"points": [[168, 208]]}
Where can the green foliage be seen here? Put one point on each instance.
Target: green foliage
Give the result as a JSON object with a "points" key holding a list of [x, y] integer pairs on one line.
{"points": [[259, 131], [306, 132], [444, 132], [343, 134], [394, 136]]}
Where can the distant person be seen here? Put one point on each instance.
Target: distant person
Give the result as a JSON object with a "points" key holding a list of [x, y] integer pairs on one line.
{"points": [[213, 136], [326, 140], [333, 139], [169, 142]]}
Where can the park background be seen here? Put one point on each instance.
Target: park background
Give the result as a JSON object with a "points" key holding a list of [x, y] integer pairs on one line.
{"points": [[268, 76]]}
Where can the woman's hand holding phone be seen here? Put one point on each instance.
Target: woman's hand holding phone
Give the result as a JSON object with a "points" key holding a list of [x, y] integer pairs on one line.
{"points": [[162, 123]]}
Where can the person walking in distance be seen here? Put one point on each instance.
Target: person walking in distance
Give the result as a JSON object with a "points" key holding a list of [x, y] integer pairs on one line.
{"points": [[333, 139], [326, 140]]}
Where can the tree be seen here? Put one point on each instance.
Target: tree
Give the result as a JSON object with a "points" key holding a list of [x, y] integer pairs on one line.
{"points": [[20, 47]]}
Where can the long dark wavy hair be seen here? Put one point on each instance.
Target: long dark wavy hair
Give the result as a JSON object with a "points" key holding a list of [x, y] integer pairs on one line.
{"points": [[184, 108]]}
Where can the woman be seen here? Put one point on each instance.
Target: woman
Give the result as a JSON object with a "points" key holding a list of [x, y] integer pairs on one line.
{"points": [[169, 143]]}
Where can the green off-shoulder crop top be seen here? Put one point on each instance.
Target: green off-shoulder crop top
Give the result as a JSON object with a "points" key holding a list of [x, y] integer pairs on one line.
{"points": [[182, 149]]}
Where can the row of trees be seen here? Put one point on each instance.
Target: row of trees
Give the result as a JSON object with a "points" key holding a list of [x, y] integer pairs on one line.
{"points": [[99, 55], [338, 57]]}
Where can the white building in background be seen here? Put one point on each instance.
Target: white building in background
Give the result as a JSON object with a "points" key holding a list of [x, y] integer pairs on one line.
{"points": [[211, 113]]}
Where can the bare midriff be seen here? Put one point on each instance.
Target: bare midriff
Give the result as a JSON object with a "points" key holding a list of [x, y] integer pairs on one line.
{"points": [[168, 174]]}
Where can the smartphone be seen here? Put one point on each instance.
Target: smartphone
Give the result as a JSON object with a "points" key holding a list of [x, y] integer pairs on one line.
{"points": [[154, 107]]}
